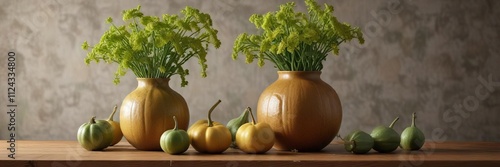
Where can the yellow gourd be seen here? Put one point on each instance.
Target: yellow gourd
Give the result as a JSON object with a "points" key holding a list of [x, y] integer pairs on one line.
{"points": [[208, 136], [117, 132], [255, 137]]}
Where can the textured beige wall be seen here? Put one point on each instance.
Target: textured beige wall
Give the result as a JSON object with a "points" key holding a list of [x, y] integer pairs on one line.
{"points": [[425, 57]]}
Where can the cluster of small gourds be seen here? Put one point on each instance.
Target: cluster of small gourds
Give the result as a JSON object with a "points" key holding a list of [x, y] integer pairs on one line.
{"points": [[385, 139], [99, 134], [206, 136]]}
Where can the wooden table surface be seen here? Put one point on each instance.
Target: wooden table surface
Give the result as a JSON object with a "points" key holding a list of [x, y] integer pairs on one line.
{"points": [[69, 153]]}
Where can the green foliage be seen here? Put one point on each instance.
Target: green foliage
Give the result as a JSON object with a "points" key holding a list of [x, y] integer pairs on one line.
{"points": [[154, 47], [295, 41]]}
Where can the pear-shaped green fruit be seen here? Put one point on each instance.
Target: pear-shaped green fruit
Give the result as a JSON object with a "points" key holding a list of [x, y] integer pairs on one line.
{"points": [[358, 142], [234, 124], [385, 138], [412, 138], [174, 141]]}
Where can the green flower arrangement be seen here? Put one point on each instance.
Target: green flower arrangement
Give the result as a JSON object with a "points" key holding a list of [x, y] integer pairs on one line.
{"points": [[295, 41], [154, 47]]}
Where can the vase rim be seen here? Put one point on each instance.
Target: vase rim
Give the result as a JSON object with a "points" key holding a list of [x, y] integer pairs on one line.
{"points": [[280, 72], [165, 80], [154, 81], [299, 74], [151, 78]]}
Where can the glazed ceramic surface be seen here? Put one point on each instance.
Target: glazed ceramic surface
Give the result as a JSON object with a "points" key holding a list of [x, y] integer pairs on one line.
{"points": [[148, 110], [304, 112]]}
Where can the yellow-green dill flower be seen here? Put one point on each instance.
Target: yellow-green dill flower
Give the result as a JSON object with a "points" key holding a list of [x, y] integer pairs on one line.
{"points": [[109, 20], [295, 41], [85, 45], [132, 13], [155, 48], [265, 45]]}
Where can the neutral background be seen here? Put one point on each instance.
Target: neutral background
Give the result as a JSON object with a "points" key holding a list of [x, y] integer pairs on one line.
{"points": [[420, 56]]}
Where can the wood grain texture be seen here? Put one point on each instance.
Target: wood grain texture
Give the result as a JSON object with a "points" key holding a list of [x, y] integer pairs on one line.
{"points": [[69, 153]]}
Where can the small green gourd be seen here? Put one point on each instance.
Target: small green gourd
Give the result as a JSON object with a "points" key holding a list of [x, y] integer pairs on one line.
{"points": [[385, 138], [412, 138], [358, 142], [95, 135], [234, 124], [174, 141]]}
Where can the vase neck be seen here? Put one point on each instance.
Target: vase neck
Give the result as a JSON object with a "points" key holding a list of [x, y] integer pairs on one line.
{"points": [[299, 74], [143, 82]]}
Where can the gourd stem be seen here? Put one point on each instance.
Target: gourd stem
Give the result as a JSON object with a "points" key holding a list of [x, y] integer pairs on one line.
{"points": [[112, 113], [210, 112], [393, 122], [92, 120], [175, 123], [253, 119], [353, 145], [340, 138], [413, 119]]}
